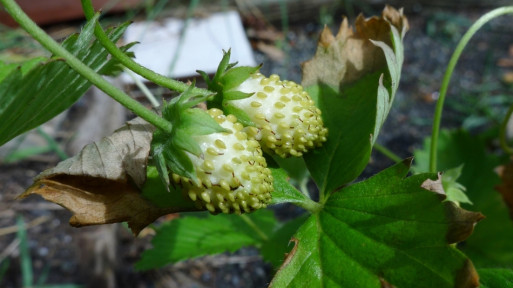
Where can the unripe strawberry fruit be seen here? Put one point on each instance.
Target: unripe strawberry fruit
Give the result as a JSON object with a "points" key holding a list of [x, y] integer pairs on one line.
{"points": [[285, 117], [232, 175]]}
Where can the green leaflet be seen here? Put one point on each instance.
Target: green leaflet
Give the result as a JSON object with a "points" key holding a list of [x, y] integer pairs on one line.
{"points": [[491, 244], [496, 278], [191, 237], [386, 229], [42, 88], [354, 114]]}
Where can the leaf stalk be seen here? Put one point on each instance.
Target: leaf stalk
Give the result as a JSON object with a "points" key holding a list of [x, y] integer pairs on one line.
{"points": [[51, 45], [148, 74], [447, 78]]}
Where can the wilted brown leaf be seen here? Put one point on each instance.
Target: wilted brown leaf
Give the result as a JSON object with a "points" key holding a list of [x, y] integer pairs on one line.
{"points": [[467, 276], [506, 187], [102, 183], [461, 221], [434, 185], [350, 54]]}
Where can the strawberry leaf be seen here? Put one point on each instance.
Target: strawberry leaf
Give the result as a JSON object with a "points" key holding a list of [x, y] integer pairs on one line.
{"points": [[283, 190], [353, 78], [190, 237], [42, 88], [384, 231], [491, 244], [496, 278]]}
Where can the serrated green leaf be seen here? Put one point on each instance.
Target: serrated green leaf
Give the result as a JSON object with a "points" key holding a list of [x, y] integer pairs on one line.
{"points": [[191, 237], [496, 278], [491, 243], [235, 76], [455, 191], [295, 167], [279, 244], [350, 122], [41, 90], [283, 191], [384, 230], [6, 69], [354, 88]]}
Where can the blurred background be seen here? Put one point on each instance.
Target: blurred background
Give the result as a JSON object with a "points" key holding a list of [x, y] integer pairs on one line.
{"points": [[36, 242]]}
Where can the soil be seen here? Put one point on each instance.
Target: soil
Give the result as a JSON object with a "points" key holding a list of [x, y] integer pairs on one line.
{"points": [[67, 255]]}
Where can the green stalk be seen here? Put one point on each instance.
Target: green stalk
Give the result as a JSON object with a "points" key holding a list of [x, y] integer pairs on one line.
{"points": [[448, 73], [253, 226], [37, 33], [154, 77], [388, 153]]}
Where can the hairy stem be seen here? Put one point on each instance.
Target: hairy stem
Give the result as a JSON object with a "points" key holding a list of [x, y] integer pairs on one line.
{"points": [[388, 153], [46, 41], [448, 73], [154, 77]]}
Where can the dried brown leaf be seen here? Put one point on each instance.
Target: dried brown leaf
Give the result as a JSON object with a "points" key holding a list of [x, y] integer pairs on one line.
{"points": [[467, 276], [434, 185], [102, 183], [350, 54], [461, 222]]}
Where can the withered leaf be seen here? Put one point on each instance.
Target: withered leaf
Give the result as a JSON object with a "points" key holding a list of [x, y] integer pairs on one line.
{"points": [[102, 184], [506, 187], [461, 222], [349, 55]]}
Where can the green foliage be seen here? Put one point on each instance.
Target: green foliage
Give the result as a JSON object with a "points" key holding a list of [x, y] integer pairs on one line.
{"points": [[455, 191], [386, 227], [354, 114], [39, 89], [389, 230], [496, 278], [490, 245], [191, 237]]}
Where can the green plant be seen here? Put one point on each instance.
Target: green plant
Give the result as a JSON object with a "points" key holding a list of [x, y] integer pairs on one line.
{"points": [[387, 230]]}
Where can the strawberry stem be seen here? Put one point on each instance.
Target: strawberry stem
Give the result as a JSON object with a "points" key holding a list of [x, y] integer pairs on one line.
{"points": [[154, 77], [85, 71], [447, 78]]}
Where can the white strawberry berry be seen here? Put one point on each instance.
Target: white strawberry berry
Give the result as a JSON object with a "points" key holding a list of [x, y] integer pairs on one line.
{"points": [[231, 173], [285, 118]]}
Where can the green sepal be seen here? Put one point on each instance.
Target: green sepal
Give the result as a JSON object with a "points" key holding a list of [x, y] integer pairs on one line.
{"points": [[236, 95], [235, 76], [160, 164], [223, 65], [204, 76], [242, 116], [226, 78], [197, 122], [184, 141], [179, 162]]}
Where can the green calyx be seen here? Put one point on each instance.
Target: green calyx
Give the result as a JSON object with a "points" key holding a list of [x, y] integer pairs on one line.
{"points": [[169, 148], [223, 83]]}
